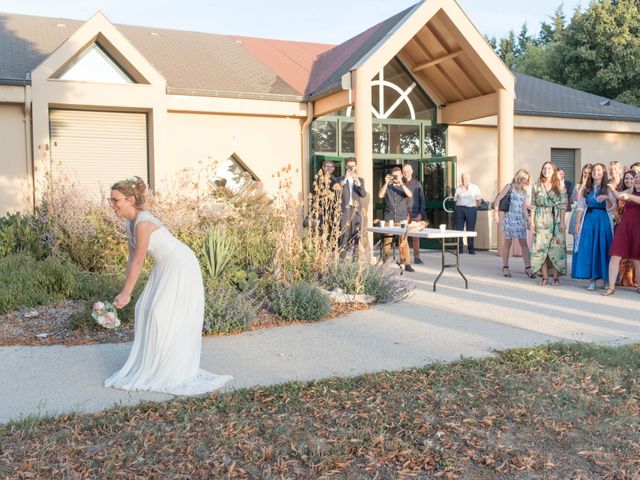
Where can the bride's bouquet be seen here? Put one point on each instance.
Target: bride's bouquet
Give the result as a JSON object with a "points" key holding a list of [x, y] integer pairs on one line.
{"points": [[106, 315]]}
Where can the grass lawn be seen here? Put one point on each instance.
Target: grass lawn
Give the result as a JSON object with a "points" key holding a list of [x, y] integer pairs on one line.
{"points": [[557, 411]]}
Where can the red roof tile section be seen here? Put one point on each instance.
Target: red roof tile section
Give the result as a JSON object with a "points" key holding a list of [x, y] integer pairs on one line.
{"points": [[291, 61]]}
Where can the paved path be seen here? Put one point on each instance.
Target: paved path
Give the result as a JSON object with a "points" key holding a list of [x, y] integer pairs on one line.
{"points": [[495, 313]]}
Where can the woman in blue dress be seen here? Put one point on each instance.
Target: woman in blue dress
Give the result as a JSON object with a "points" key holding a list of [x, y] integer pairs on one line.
{"points": [[593, 225]]}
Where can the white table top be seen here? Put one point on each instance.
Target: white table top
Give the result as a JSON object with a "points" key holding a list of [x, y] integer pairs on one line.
{"points": [[426, 233]]}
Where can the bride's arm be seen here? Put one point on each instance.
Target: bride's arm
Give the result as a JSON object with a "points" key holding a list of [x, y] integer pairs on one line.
{"points": [[136, 261]]}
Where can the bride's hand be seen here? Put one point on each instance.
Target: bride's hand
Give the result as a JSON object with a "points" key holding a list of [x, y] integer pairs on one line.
{"points": [[121, 300]]}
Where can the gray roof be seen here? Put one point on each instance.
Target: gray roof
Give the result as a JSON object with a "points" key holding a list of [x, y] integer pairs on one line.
{"points": [[203, 63], [190, 61], [330, 66], [542, 98]]}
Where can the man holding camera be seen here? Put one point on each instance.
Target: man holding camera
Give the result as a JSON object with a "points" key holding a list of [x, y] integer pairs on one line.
{"points": [[397, 197], [353, 193]]}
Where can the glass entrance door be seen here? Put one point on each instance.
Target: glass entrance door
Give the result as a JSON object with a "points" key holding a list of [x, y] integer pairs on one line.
{"points": [[438, 176]]}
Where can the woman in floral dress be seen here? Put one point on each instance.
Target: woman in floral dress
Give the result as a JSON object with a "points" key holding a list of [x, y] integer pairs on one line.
{"points": [[515, 223], [549, 202]]}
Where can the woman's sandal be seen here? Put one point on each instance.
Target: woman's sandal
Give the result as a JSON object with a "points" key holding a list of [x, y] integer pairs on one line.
{"points": [[556, 282], [543, 281], [608, 292], [528, 271], [508, 274]]}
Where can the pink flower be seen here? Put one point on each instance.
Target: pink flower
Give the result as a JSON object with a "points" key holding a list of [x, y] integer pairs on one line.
{"points": [[110, 318], [98, 306]]}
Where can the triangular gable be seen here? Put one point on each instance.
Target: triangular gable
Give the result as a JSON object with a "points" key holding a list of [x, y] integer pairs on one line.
{"points": [[372, 50], [95, 65], [98, 29]]}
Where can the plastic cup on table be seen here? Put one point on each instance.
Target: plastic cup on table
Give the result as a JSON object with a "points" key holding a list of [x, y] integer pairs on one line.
{"points": [[391, 223], [381, 223], [443, 228], [403, 224]]}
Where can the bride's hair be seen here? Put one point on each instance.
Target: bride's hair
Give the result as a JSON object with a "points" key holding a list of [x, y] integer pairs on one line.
{"points": [[132, 187]]}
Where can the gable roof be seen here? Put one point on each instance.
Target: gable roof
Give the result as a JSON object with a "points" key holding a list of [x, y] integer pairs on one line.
{"points": [[203, 63], [331, 66], [191, 62], [535, 96]]}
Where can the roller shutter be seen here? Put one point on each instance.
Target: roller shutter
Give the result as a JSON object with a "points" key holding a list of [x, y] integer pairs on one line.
{"points": [[96, 149], [565, 158]]}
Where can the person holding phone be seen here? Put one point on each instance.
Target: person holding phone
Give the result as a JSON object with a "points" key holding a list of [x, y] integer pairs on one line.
{"points": [[397, 197], [353, 193]]}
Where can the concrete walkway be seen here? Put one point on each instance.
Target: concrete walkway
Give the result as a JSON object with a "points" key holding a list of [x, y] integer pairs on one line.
{"points": [[495, 313]]}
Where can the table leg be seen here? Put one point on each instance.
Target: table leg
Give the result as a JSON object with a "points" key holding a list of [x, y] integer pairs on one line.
{"points": [[466, 283], [442, 242], [455, 251]]}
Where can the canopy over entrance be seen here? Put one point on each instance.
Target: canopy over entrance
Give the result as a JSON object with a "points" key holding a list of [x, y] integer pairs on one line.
{"points": [[447, 56]]}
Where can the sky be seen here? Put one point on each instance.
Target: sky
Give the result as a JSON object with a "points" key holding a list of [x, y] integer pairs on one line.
{"points": [[326, 21]]}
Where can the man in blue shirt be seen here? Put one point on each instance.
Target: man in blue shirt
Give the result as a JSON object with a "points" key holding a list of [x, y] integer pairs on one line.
{"points": [[417, 205]]}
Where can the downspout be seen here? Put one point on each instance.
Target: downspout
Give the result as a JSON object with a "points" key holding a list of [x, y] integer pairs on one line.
{"points": [[28, 147], [304, 131]]}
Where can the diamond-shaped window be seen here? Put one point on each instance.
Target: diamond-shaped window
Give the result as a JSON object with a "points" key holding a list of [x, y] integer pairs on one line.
{"points": [[233, 175], [96, 65]]}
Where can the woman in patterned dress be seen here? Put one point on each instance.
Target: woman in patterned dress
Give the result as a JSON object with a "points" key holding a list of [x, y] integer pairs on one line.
{"points": [[515, 222], [549, 202]]}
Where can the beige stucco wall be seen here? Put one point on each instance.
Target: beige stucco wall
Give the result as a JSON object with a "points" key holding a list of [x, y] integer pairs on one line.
{"points": [[476, 149], [265, 145], [14, 189]]}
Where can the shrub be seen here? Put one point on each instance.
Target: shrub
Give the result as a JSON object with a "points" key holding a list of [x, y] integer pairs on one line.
{"points": [[227, 310], [300, 301], [83, 229], [27, 282], [219, 251], [357, 277], [23, 234]]}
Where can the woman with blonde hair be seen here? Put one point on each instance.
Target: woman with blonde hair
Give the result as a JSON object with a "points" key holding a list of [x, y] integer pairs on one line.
{"points": [[515, 222], [616, 170], [165, 355], [549, 203]]}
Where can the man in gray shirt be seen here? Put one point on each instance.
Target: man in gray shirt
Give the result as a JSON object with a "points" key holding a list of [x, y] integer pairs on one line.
{"points": [[417, 205], [397, 197]]}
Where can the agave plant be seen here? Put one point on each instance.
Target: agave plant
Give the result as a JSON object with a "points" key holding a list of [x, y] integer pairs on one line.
{"points": [[219, 251]]}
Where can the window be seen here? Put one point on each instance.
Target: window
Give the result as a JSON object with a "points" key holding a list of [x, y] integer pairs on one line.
{"points": [[565, 158], [233, 175], [96, 65]]}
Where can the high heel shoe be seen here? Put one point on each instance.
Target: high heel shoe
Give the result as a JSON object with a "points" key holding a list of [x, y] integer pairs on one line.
{"points": [[508, 273], [528, 271], [543, 281]]}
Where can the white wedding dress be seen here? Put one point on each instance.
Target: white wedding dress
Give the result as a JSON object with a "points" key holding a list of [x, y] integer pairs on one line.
{"points": [[165, 356]]}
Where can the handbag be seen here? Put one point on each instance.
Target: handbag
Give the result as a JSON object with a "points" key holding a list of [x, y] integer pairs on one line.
{"points": [[484, 205], [504, 204]]}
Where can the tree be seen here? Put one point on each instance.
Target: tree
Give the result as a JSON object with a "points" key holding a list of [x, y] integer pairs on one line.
{"points": [[599, 51]]}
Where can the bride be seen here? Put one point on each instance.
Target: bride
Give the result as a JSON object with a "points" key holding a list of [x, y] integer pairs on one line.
{"points": [[165, 355]]}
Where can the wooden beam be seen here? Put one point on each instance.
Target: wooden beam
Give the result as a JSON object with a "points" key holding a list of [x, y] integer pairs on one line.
{"points": [[436, 61], [471, 109], [332, 103]]}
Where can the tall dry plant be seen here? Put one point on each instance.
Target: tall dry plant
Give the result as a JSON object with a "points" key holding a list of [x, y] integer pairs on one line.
{"points": [[321, 238], [286, 267], [80, 226]]}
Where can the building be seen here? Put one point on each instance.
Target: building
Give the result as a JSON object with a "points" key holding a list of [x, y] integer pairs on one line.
{"points": [[99, 102]]}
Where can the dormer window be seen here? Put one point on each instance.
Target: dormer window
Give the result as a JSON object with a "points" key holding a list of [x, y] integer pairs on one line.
{"points": [[96, 65]]}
